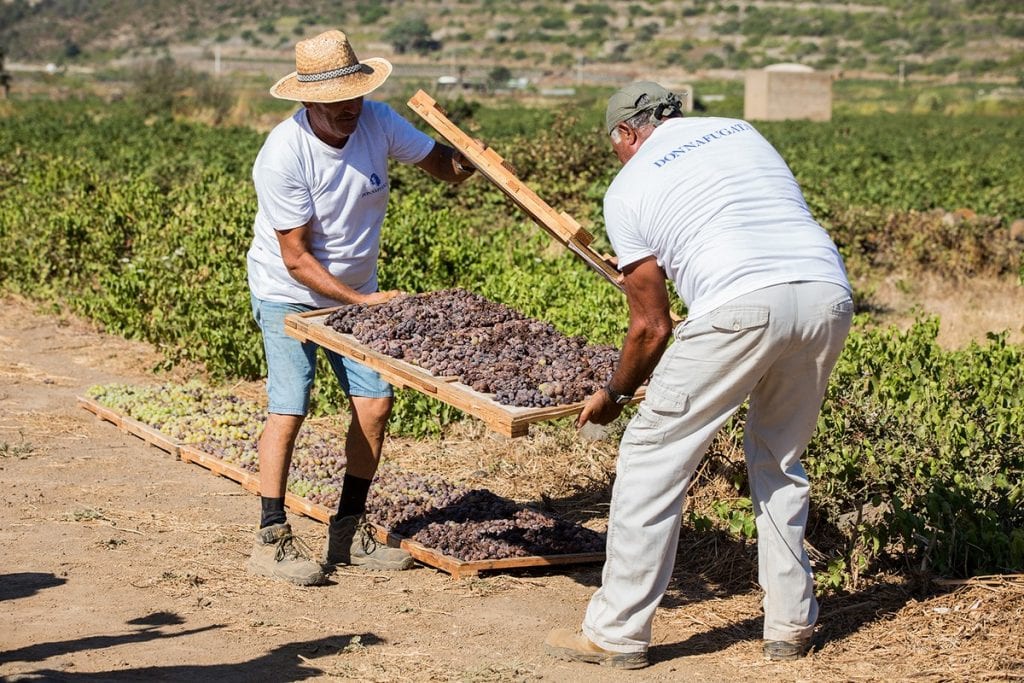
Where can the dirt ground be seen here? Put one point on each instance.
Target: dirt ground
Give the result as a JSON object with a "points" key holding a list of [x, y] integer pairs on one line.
{"points": [[121, 563]]}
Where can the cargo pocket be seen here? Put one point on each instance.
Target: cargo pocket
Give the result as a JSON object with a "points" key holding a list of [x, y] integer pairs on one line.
{"points": [[657, 414], [739, 318], [842, 308]]}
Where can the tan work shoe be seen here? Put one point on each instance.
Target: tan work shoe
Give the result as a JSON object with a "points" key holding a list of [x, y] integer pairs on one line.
{"points": [[573, 646], [786, 650], [350, 540], [280, 555]]}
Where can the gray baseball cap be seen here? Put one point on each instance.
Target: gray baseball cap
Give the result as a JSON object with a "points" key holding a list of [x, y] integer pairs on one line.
{"points": [[637, 97]]}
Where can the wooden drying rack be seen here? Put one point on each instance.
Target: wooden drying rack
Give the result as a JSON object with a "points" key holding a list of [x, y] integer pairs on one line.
{"points": [[511, 421], [250, 482]]}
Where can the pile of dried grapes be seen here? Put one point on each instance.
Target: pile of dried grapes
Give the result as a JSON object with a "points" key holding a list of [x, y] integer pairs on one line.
{"points": [[485, 345], [470, 524]]}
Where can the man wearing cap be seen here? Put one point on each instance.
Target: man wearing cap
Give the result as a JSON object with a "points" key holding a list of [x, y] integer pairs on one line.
{"points": [[322, 187], [710, 205]]}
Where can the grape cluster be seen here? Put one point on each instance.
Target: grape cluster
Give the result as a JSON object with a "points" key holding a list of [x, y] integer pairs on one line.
{"points": [[470, 524], [486, 345], [456, 521]]}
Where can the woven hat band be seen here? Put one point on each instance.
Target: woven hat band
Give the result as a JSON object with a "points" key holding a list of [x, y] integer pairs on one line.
{"points": [[328, 75]]}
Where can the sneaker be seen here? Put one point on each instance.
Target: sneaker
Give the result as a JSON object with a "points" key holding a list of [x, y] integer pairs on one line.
{"points": [[573, 646], [786, 650], [350, 540], [280, 555]]}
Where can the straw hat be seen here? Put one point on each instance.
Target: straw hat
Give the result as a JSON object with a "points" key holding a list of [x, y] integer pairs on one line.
{"points": [[327, 70]]}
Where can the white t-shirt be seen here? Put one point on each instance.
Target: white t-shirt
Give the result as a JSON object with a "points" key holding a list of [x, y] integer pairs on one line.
{"points": [[299, 177], [721, 212]]}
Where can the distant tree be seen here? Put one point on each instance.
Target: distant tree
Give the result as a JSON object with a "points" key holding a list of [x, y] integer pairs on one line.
{"points": [[647, 31], [712, 61], [370, 12], [563, 59], [412, 35], [595, 9], [498, 76], [553, 23], [156, 86], [638, 10]]}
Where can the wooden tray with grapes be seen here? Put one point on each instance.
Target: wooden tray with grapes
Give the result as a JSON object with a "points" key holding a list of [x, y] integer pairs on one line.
{"points": [[151, 436], [509, 420], [431, 557], [249, 481]]}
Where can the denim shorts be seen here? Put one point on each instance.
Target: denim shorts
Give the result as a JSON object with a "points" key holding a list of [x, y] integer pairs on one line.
{"points": [[291, 364]]}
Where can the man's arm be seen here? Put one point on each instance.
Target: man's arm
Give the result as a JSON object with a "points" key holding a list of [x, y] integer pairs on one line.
{"points": [[306, 270], [447, 164], [650, 326]]}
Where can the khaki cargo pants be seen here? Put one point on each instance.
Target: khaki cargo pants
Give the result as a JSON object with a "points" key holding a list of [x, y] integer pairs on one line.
{"points": [[776, 346]]}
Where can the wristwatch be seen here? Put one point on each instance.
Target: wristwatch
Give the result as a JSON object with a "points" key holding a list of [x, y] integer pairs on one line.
{"points": [[617, 398], [460, 168]]}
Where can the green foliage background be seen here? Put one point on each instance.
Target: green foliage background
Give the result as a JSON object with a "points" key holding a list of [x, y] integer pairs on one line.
{"points": [[142, 224]]}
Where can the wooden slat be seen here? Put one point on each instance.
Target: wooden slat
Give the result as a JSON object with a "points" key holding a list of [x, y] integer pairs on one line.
{"points": [[143, 431], [315, 511], [100, 411], [463, 568], [248, 480], [490, 164]]}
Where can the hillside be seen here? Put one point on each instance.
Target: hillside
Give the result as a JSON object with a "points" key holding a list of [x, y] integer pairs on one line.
{"points": [[974, 39]]}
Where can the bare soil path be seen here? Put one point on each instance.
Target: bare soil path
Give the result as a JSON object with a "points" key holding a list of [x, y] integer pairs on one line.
{"points": [[120, 563]]}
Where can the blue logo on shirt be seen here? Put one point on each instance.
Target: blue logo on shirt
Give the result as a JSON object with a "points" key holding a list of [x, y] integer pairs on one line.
{"points": [[378, 186]]}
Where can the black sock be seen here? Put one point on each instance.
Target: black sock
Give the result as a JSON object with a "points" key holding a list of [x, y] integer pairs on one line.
{"points": [[272, 511], [354, 492]]}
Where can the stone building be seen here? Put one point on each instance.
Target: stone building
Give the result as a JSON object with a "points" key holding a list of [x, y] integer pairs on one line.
{"points": [[787, 91]]}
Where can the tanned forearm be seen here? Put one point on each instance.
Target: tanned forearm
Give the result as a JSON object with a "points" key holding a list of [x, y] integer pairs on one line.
{"points": [[308, 271], [641, 351], [650, 327], [447, 164]]}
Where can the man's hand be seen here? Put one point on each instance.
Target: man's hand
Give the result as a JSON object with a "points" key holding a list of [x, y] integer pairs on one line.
{"points": [[600, 409], [649, 330], [381, 297], [444, 163]]}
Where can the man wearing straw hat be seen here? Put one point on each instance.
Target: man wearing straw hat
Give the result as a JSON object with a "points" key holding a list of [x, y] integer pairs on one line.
{"points": [[710, 205], [322, 186]]}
